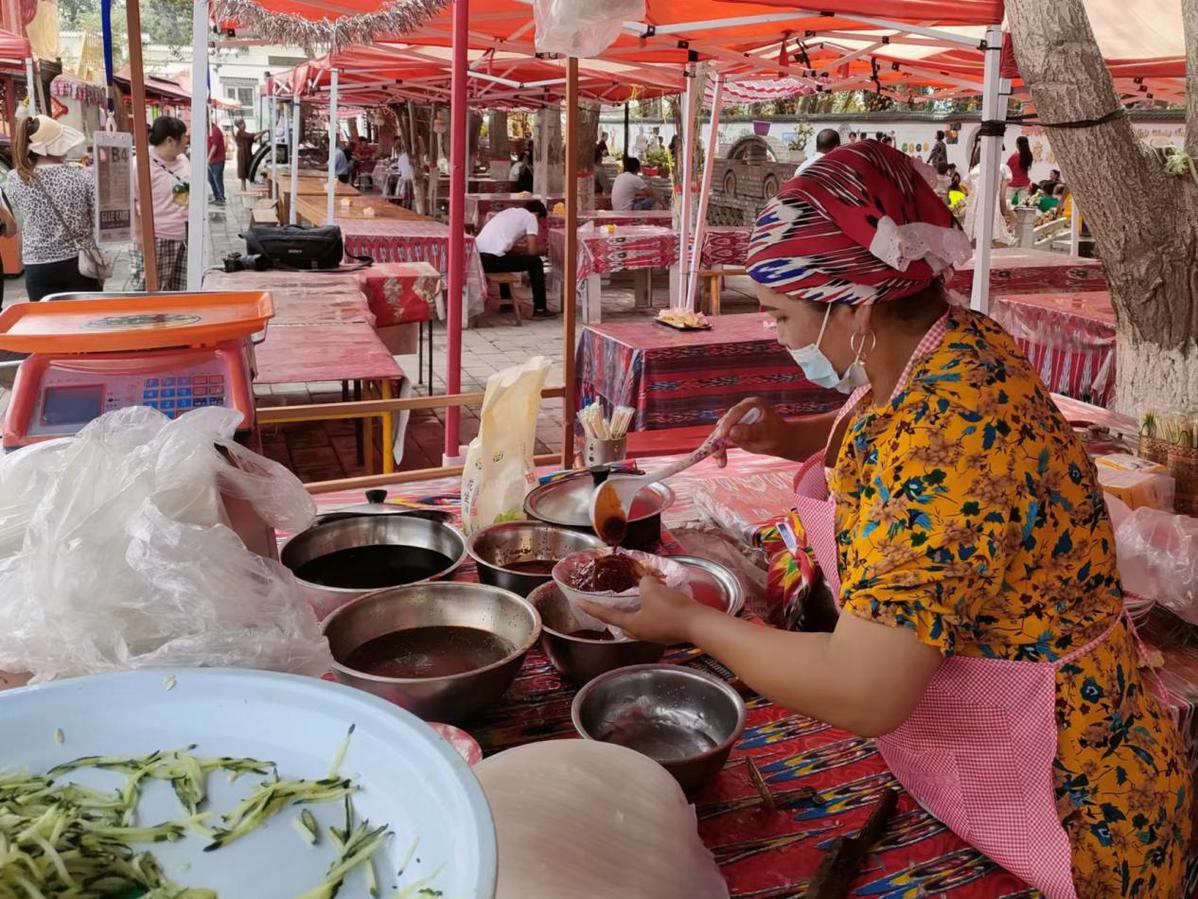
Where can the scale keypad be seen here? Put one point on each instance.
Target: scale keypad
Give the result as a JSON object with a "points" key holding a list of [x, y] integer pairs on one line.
{"points": [[174, 396]]}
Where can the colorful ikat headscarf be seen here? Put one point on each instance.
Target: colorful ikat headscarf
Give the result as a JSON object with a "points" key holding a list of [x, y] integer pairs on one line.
{"points": [[861, 225]]}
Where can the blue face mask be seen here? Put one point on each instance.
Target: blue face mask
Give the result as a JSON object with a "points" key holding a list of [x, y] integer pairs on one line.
{"points": [[818, 368]]}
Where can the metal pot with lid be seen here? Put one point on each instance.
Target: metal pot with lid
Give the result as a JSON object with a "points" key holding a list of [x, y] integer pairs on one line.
{"points": [[567, 503], [359, 549]]}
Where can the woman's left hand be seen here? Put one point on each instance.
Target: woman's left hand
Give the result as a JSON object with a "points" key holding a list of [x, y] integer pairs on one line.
{"points": [[665, 615]]}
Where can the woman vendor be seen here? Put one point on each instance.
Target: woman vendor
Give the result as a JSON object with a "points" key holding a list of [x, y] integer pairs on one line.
{"points": [[958, 520]]}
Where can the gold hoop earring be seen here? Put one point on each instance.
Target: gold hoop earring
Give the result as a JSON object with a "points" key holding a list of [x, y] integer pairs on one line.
{"points": [[857, 343]]}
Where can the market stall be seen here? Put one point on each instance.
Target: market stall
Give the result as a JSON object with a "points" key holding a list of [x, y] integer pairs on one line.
{"points": [[1019, 270]]}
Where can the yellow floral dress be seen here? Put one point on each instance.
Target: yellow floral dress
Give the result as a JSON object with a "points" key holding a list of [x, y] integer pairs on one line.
{"points": [[968, 511]]}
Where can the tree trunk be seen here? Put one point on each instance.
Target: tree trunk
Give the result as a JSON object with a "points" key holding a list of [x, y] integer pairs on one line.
{"points": [[549, 168], [500, 147], [474, 130], [1144, 221]]}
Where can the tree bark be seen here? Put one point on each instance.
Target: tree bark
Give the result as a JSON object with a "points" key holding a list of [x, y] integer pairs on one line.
{"points": [[1189, 23], [1145, 222], [500, 146]]}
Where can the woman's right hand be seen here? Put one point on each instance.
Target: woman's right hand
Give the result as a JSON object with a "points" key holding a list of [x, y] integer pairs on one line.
{"points": [[766, 436]]}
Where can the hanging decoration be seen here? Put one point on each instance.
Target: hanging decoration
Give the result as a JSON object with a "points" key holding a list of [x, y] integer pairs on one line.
{"points": [[393, 18], [64, 86]]}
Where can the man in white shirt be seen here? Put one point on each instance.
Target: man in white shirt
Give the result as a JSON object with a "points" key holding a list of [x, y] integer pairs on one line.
{"points": [[630, 191], [516, 229], [825, 142]]}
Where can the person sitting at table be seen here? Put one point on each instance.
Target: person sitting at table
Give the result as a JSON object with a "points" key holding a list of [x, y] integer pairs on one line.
{"points": [[825, 142], [341, 166], [521, 173], [958, 522], [630, 191], [516, 229]]}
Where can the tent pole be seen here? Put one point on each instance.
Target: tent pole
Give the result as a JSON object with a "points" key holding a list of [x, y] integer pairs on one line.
{"points": [[330, 188], [273, 113], [687, 145], [1075, 229], [570, 264], [141, 144], [293, 159], [197, 202], [713, 136], [459, 152], [30, 86], [990, 162], [627, 149]]}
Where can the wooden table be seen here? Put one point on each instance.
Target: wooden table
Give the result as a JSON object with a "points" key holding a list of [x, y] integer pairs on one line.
{"points": [[349, 351], [312, 181], [313, 210], [302, 298]]}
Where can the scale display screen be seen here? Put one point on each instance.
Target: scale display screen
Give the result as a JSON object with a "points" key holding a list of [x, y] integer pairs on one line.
{"points": [[72, 405]]}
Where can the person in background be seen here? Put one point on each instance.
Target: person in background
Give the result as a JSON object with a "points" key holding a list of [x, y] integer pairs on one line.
{"points": [[943, 182], [1020, 165], [341, 167], [887, 140], [217, 154], [169, 193], [630, 191], [282, 137], [852, 137], [939, 154], [602, 183], [601, 151], [243, 140], [880, 136], [523, 176], [56, 203], [1049, 184], [510, 242], [825, 142]]}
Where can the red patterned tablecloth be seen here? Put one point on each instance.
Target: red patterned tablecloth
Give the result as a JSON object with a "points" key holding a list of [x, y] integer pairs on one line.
{"points": [[679, 378], [399, 241], [725, 246], [661, 218], [629, 247], [302, 298], [1017, 270], [304, 354], [823, 781], [1069, 338], [401, 292]]}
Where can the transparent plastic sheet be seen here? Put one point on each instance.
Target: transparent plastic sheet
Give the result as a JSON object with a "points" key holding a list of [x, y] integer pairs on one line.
{"points": [[1158, 558], [582, 28], [126, 558]]}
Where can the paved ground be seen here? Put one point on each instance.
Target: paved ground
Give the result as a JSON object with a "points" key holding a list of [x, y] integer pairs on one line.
{"points": [[327, 451]]}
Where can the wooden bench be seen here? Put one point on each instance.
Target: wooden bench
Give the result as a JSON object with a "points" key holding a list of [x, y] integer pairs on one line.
{"points": [[715, 280], [509, 278], [264, 212]]}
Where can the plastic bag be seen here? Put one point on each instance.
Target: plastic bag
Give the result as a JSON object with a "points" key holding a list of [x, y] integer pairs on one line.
{"points": [[582, 28], [126, 559], [499, 470], [673, 574], [1158, 559]]}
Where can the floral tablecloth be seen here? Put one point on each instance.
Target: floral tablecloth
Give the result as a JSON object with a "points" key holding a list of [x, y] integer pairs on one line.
{"points": [[1018, 270], [416, 241], [629, 247], [401, 292], [1069, 338], [682, 378]]}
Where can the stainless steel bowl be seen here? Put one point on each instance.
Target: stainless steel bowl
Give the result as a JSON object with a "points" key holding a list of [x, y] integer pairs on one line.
{"points": [[579, 658], [495, 548], [454, 697], [399, 531], [685, 720]]}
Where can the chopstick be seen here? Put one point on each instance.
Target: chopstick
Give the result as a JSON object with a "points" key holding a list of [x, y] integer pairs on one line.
{"points": [[598, 427]]}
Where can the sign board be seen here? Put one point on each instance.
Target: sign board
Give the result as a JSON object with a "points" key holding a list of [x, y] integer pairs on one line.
{"points": [[114, 187]]}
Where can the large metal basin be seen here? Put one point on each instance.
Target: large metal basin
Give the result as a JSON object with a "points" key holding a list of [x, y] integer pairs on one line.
{"points": [[451, 698]]}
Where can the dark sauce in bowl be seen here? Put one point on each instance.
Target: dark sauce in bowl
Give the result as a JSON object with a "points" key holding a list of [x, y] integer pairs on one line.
{"points": [[537, 567], [421, 652], [608, 573], [373, 567]]}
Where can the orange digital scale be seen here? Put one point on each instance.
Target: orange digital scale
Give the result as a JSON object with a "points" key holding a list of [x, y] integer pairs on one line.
{"points": [[172, 352]]}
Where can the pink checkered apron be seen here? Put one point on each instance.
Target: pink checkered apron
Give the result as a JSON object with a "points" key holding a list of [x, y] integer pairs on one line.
{"points": [[978, 750]]}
